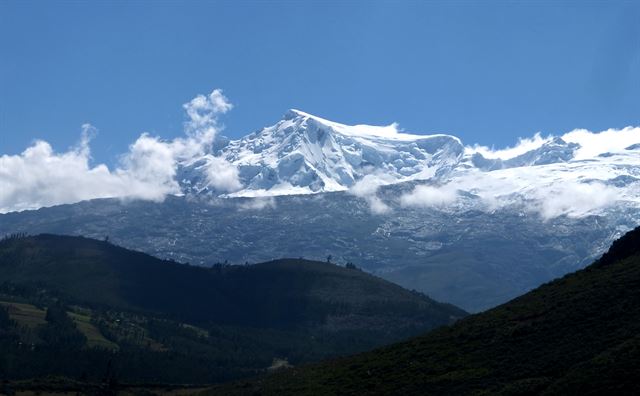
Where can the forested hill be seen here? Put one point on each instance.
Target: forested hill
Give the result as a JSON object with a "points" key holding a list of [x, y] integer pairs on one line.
{"points": [[89, 312], [282, 294], [579, 334]]}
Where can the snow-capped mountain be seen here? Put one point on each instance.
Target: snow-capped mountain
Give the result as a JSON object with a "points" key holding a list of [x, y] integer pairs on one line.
{"points": [[578, 173], [551, 152], [304, 154], [465, 224]]}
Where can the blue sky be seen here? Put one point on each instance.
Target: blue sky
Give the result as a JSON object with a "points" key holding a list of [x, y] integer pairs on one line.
{"points": [[485, 72]]}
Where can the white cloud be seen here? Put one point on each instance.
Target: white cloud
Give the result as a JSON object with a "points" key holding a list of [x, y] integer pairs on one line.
{"points": [[609, 141], [151, 160], [203, 112], [258, 203], [39, 176], [591, 143], [367, 189], [572, 199], [537, 192], [429, 196], [524, 145], [222, 175]]}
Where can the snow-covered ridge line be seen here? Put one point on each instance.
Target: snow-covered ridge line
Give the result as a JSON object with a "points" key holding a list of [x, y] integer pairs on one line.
{"points": [[576, 174], [370, 131], [306, 154]]}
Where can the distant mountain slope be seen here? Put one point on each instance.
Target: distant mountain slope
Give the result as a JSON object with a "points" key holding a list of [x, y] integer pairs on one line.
{"points": [[575, 335], [464, 224], [472, 259], [279, 294]]}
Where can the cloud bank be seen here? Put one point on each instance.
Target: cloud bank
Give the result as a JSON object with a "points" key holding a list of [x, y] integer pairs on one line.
{"points": [[39, 176], [575, 188], [591, 144], [570, 198]]}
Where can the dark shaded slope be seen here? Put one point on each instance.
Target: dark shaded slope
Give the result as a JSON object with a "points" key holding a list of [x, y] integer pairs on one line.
{"points": [[164, 322], [626, 246], [575, 335], [279, 294]]}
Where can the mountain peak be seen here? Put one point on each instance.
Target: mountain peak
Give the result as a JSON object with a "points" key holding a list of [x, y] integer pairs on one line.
{"points": [[295, 113], [306, 154]]}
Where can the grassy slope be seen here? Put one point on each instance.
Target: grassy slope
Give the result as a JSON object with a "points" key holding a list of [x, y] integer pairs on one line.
{"points": [[575, 335], [25, 314], [31, 317], [95, 339]]}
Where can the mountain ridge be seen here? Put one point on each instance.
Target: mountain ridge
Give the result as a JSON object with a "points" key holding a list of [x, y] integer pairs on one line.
{"points": [[306, 154], [129, 279]]}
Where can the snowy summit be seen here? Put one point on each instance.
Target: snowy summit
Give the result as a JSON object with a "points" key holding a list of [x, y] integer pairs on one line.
{"points": [[305, 154]]}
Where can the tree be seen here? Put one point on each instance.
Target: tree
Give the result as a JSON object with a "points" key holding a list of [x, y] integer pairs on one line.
{"points": [[5, 320]]}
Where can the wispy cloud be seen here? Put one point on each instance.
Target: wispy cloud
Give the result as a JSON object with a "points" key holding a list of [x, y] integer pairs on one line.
{"points": [[367, 189], [524, 145], [572, 199], [568, 198], [430, 196], [40, 176], [258, 203]]}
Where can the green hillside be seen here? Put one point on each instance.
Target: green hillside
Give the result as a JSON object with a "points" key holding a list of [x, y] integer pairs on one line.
{"points": [[579, 334], [79, 307]]}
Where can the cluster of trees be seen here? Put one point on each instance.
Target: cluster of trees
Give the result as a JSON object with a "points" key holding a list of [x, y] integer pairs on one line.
{"points": [[17, 235], [60, 331]]}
